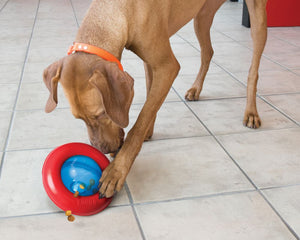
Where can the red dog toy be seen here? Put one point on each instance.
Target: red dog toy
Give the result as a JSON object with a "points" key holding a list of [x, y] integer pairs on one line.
{"points": [[72, 202]]}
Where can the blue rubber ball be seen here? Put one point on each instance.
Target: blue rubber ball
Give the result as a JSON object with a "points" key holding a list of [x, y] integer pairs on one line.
{"points": [[81, 173]]}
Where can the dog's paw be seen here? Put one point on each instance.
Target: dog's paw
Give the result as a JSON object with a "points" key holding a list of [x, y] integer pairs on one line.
{"points": [[112, 180], [251, 120], [192, 94]]}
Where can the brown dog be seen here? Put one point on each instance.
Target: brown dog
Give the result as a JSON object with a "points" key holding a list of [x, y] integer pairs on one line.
{"points": [[101, 94]]}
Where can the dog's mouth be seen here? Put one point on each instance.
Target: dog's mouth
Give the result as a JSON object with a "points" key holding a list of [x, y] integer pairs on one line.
{"points": [[114, 154]]}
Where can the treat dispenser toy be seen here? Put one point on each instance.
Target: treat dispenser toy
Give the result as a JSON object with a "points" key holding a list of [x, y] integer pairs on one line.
{"points": [[71, 175]]}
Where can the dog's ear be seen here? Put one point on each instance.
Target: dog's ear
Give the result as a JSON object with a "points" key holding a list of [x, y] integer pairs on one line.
{"points": [[116, 89], [51, 77]]}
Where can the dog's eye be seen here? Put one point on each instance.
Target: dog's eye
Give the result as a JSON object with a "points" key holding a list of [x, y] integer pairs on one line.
{"points": [[100, 114], [97, 116]]}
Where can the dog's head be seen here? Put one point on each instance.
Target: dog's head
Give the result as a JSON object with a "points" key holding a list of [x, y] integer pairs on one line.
{"points": [[98, 92]]}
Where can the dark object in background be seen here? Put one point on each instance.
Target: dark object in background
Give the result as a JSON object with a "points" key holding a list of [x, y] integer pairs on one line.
{"points": [[245, 18]]}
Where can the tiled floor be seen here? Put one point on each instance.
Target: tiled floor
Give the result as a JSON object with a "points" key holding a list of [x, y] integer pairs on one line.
{"points": [[203, 175]]}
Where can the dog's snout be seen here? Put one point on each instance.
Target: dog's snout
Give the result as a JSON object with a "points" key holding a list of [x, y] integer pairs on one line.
{"points": [[112, 145]]}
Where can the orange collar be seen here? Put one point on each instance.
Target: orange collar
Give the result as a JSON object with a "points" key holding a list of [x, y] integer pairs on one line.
{"points": [[82, 47]]}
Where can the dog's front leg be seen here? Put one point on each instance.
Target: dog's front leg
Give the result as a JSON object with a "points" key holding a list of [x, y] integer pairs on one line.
{"points": [[164, 73], [258, 19]]}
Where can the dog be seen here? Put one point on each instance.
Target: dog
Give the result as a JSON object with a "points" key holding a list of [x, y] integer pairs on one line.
{"points": [[100, 92]]}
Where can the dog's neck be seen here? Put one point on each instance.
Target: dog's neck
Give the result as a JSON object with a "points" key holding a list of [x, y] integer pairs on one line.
{"points": [[107, 30]]}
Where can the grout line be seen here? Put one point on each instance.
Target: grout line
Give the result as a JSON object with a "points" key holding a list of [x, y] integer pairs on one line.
{"points": [[4, 5], [126, 186], [17, 94], [249, 179], [207, 134], [74, 12], [196, 197], [278, 94], [263, 55], [280, 217], [32, 215], [279, 187], [134, 211], [279, 110], [258, 95], [220, 144], [132, 204]]}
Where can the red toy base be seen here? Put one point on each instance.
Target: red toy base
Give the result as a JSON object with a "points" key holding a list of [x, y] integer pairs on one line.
{"points": [[283, 13], [56, 190]]}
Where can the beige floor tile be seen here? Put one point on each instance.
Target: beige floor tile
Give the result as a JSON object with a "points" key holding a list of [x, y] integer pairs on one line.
{"points": [[228, 24], [20, 34], [63, 29], [1, 154], [41, 40], [10, 73], [290, 35], [121, 198], [269, 158], [182, 168], [33, 72], [12, 55], [4, 126], [238, 35], [21, 179], [241, 63], [173, 120], [189, 36], [215, 86], [274, 82], [215, 36], [140, 92], [225, 116], [231, 48], [35, 95], [134, 66], [2, 3], [289, 104], [112, 223], [289, 60], [241, 216], [36, 129], [286, 202], [49, 56], [176, 39], [276, 47], [191, 66], [7, 96], [80, 8], [184, 50], [127, 54], [25, 193]]}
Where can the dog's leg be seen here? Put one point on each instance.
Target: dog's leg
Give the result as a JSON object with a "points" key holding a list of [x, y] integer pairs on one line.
{"points": [[258, 20], [165, 69], [202, 24], [149, 79]]}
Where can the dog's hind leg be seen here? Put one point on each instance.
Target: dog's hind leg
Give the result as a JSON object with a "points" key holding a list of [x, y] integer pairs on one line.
{"points": [[258, 20], [202, 24]]}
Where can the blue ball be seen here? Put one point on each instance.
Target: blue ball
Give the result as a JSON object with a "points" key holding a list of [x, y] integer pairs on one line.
{"points": [[81, 173]]}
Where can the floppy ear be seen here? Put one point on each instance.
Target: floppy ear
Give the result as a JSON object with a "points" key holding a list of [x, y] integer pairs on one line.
{"points": [[51, 77], [116, 89]]}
